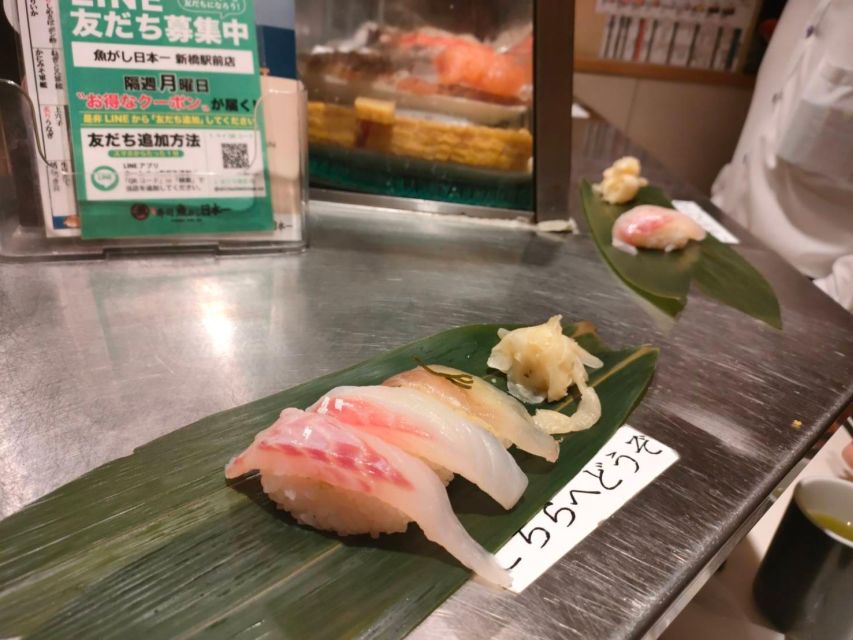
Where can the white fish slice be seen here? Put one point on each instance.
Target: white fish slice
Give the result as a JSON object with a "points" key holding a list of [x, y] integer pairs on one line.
{"points": [[426, 427], [502, 414]]}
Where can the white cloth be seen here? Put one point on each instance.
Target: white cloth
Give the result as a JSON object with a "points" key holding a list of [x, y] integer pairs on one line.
{"points": [[791, 179], [838, 285]]}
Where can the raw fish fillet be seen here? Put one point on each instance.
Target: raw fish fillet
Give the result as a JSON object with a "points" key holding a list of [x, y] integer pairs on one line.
{"points": [[479, 67], [426, 427], [306, 445], [651, 227], [504, 416]]}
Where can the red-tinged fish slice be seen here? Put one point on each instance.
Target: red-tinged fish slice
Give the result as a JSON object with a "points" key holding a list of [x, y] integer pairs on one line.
{"points": [[310, 453], [335, 448], [504, 77], [347, 405], [480, 67]]}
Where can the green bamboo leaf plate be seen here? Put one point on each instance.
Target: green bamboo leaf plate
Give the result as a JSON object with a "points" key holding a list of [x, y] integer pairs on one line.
{"points": [[157, 545], [664, 278]]}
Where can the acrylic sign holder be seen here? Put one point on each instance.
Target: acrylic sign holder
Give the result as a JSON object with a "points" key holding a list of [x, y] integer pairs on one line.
{"points": [[22, 232], [150, 204]]}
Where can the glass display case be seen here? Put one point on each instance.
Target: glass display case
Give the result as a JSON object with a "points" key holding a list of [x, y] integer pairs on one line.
{"points": [[405, 104], [429, 100]]}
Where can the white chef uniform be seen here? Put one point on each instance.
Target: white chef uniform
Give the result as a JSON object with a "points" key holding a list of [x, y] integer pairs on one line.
{"points": [[791, 179]]}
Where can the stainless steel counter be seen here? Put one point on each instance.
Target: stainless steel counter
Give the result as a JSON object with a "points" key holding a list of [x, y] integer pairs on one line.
{"points": [[98, 358]]}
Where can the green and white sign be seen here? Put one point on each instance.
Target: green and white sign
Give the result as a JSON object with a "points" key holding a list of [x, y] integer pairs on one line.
{"points": [[162, 97]]}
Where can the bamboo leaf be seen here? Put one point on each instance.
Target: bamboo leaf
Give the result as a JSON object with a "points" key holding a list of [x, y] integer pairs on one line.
{"points": [[724, 275], [664, 278], [157, 545]]}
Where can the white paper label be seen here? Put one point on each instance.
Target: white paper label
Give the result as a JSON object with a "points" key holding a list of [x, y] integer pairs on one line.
{"points": [[45, 76], [579, 112], [705, 220], [163, 58], [225, 163], [620, 470]]}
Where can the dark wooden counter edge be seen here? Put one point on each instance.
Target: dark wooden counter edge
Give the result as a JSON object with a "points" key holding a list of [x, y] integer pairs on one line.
{"points": [[661, 72]]}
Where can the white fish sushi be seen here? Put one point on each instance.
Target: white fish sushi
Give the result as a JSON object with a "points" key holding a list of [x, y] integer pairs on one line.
{"points": [[651, 227], [503, 415], [333, 477], [426, 427]]}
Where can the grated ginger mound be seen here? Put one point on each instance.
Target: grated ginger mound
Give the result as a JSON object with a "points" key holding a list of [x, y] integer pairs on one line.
{"points": [[621, 181], [541, 363]]}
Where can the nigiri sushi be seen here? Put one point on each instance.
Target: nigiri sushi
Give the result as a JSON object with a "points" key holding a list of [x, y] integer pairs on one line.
{"points": [[651, 227], [427, 428], [502, 415], [330, 476]]}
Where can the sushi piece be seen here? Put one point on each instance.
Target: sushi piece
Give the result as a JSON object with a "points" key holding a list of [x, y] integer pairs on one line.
{"points": [[501, 414], [332, 477], [541, 363], [650, 227], [425, 427]]}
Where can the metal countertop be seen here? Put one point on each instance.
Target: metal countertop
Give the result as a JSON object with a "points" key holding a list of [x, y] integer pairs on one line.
{"points": [[97, 358]]}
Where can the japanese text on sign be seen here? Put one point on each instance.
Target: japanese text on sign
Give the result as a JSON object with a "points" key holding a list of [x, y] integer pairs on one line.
{"points": [[146, 20], [162, 103], [624, 466]]}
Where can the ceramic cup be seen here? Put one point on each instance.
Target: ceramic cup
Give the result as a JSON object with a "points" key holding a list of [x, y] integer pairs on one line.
{"points": [[805, 583]]}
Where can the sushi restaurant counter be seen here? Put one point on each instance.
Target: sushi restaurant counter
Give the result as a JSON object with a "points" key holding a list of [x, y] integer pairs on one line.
{"points": [[101, 357]]}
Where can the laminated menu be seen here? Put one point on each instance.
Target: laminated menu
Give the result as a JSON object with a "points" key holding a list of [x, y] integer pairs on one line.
{"points": [[162, 117]]}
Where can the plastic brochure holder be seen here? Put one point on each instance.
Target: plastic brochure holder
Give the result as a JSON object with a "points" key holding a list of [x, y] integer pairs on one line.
{"points": [[281, 112]]}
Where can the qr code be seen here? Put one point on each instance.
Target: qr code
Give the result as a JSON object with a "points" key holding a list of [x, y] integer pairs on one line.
{"points": [[235, 155]]}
